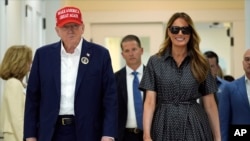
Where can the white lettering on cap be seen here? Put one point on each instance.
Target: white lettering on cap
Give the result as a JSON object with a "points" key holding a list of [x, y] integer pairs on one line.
{"points": [[63, 16], [73, 15], [61, 12], [68, 10], [73, 10]]}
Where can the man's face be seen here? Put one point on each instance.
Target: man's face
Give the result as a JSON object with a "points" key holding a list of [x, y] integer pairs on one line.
{"points": [[131, 52], [70, 33], [246, 62], [213, 66]]}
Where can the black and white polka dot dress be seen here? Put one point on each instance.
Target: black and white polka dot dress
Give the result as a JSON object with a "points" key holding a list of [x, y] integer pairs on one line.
{"points": [[177, 117]]}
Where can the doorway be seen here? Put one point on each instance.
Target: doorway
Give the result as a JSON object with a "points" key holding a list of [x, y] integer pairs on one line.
{"points": [[110, 35], [213, 37]]}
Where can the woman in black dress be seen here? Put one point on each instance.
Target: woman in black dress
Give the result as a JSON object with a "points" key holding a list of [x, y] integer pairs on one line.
{"points": [[174, 79]]}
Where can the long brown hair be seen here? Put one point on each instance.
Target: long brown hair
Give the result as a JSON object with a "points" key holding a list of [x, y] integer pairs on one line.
{"points": [[199, 64], [16, 62]]}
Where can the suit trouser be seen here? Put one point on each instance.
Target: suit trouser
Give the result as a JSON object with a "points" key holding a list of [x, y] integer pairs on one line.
{"points": [[131, 136], [64, 132]]}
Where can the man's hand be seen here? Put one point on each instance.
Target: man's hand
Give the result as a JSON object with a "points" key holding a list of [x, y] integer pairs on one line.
{"points": [[106, 138], [31, 139]]}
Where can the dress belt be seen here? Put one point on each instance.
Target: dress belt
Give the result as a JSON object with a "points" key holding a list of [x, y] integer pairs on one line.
{"points": [[134, 130], [177, 102], [65, 120]]}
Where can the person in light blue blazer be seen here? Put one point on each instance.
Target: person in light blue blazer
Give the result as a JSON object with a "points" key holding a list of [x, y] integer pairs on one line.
{"points": [[234, 105], [71, 92]]}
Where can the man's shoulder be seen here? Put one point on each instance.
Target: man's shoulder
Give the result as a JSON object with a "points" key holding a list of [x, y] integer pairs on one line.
{"points": [[221, 81], [238, 81], [122, 70], [234, 85]]}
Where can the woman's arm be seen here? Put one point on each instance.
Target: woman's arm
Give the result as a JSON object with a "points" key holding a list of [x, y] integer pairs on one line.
{"points": [[148, 112], [213, 116]]}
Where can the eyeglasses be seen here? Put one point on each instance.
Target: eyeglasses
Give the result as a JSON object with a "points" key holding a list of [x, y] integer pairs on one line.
{"points": [[176, 29]]}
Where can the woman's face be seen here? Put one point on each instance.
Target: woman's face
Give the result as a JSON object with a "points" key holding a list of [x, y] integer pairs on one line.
{"points": [[179, 33]]}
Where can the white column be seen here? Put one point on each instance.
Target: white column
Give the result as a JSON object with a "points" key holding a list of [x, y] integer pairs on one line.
{"points": [[51, 7], [247, 25]]}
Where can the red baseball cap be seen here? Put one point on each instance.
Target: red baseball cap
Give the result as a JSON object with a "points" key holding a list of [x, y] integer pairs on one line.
{"points": [[68, 14]]}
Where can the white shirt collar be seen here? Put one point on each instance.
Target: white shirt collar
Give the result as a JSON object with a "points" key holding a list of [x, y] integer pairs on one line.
{"points": [[139, 69], [246, 79], [77, 50]]}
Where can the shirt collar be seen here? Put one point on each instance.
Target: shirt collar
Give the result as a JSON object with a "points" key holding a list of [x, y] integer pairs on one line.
{"points": [[77, 50], [246, 79], [168, 53], [139, 69]]}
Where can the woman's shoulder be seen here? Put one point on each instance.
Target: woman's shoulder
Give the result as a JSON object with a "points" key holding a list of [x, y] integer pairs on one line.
{"points": [[13, 82], [155, 57]]}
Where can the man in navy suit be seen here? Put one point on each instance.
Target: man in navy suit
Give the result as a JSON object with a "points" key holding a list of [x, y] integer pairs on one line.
{"points": [[234, 108], [215, 68], [71, 93], [128, 124]]}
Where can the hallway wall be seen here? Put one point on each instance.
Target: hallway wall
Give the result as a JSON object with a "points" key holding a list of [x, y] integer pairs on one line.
{"points": [[146, 11]]}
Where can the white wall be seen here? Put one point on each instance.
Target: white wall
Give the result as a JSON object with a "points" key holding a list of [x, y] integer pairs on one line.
{"points": [[13, 14], [51, 7], [215, 38], [3, 23], [14, 28], [247, 25], [236, 17], [3, 40]]}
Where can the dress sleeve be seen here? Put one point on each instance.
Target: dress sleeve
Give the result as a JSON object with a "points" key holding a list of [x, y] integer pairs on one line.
{"points": [[148, 81], [209, 85]]}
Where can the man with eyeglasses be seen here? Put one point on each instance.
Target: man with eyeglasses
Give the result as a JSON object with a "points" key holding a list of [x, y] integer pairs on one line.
{"points": [[234, 109], [71, 93]]}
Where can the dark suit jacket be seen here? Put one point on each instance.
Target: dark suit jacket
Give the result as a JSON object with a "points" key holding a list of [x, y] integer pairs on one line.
{"points": [[95, 94], [234, 106], [121, 81]]}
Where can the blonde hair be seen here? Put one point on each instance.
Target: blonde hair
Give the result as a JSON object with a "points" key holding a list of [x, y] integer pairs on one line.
{"points": [[16, 62], [199, 64]]}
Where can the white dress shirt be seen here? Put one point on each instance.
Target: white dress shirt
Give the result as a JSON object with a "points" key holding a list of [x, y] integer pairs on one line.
{"points": [[248, 88], [69, 69], [131, 117]]}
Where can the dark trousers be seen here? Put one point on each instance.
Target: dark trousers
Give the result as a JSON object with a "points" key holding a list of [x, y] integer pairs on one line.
{"points": [[130, 136], [64, 132]]}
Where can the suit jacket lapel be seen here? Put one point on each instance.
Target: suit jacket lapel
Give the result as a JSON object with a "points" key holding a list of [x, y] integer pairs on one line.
{"points": [[123, 82], [84, 62], [56, 53], [243, 91]]}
